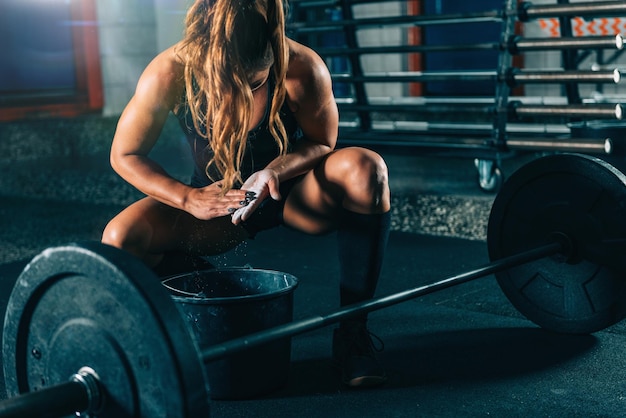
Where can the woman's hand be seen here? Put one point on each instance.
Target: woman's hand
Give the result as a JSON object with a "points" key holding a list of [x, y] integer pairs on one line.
{"points": [[263, 183], [208, 202]]}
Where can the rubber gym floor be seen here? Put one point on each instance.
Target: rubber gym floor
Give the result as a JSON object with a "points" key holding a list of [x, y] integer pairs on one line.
{"points": [[461, 352]]}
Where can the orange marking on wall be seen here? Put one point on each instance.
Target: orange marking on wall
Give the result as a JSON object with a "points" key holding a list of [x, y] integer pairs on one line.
{"points": [[591, 28], [603, 26], [581, 27], [615, 27], [555, 30], [578, 26]]}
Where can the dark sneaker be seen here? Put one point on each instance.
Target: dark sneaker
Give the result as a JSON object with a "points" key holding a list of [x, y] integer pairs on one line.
{"points": [[355, 354]]}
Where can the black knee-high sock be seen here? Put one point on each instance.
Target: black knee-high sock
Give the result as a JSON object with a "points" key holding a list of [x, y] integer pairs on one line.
{"points": [[362, 240]]}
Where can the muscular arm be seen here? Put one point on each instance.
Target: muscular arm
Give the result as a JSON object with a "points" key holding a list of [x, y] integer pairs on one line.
{"points": [[139, 128], [310, 98], [158, 91]]}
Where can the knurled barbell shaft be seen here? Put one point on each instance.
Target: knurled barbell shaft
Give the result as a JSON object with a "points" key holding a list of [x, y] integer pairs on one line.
{"points": [[291, 329]]}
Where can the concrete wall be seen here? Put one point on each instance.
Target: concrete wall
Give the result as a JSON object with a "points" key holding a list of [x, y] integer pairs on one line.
{"points": [[131, 33], [382, 37], [170, 18]]}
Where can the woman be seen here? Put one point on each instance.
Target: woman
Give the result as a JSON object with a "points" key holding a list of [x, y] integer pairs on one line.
{"points": [[262, 123]]}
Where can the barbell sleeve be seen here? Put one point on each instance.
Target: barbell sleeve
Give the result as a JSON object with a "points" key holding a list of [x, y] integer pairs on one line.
{"points": [[315, 322], [564, 76], [519, 44], [587, 145], [609, 111], [528, 11]]}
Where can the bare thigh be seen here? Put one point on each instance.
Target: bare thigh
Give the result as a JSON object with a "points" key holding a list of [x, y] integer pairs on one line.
{"points": [[148, 228], [353, 179], [309, 208]]}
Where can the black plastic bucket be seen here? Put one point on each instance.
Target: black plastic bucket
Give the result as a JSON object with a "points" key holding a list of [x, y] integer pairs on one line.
{"points": [[223, 304]]}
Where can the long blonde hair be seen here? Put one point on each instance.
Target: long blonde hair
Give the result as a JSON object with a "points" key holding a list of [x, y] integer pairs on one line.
{"points": [[226, 41]]}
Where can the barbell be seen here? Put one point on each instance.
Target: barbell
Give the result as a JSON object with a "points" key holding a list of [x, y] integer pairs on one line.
{"points": [[88, 327]]}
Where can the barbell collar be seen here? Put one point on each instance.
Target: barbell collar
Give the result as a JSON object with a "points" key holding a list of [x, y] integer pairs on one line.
{"points": [[89, 379], [315, 322]]}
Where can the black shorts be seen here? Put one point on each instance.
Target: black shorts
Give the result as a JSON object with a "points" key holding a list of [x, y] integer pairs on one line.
{"points": [[269, 214]]}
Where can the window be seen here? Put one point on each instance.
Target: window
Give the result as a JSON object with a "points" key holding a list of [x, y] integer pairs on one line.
{"points": [[50, 62]]}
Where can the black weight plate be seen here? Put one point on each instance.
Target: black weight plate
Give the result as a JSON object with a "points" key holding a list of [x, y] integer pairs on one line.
{"points": [[583, 198], [91, 305]]}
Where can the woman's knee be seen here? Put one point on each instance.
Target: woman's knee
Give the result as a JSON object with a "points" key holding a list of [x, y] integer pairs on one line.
{"points": [[112, 235], [128, 236], [132, 229], [365, 179]]}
